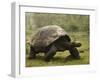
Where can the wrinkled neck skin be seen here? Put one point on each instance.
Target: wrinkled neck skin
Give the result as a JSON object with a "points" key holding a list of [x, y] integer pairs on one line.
{"points": [[61, 44], [64, 44]]}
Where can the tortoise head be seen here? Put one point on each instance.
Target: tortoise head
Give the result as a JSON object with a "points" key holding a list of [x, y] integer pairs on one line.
{"points": [[75, 44]]}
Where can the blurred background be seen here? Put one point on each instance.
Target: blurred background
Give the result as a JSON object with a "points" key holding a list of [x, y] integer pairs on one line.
{"points": [[70, 22]]}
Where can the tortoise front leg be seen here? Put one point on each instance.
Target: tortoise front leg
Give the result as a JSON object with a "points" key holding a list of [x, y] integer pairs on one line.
{"points": [[49, 55], [73, 50], [74, 53]]}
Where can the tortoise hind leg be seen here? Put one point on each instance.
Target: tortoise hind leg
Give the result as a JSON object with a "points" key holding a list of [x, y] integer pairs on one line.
{"points": [[74, 53], [49, 55], [32, 54]]}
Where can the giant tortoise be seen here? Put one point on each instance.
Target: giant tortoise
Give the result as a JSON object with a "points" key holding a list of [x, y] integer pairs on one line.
{"points": [[49, 40]]}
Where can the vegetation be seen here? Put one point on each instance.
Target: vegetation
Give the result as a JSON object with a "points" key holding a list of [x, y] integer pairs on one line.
{"points": [[76, 25]]}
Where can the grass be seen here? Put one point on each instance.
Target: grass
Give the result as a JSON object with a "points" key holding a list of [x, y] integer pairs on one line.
{"points": [[61, 58]]}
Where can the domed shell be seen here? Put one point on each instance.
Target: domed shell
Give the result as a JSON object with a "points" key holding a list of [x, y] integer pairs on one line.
{"points": [[46, 35]]}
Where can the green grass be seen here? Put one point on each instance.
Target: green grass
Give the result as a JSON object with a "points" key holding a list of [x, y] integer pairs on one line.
{"points": [[61, 58]]}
